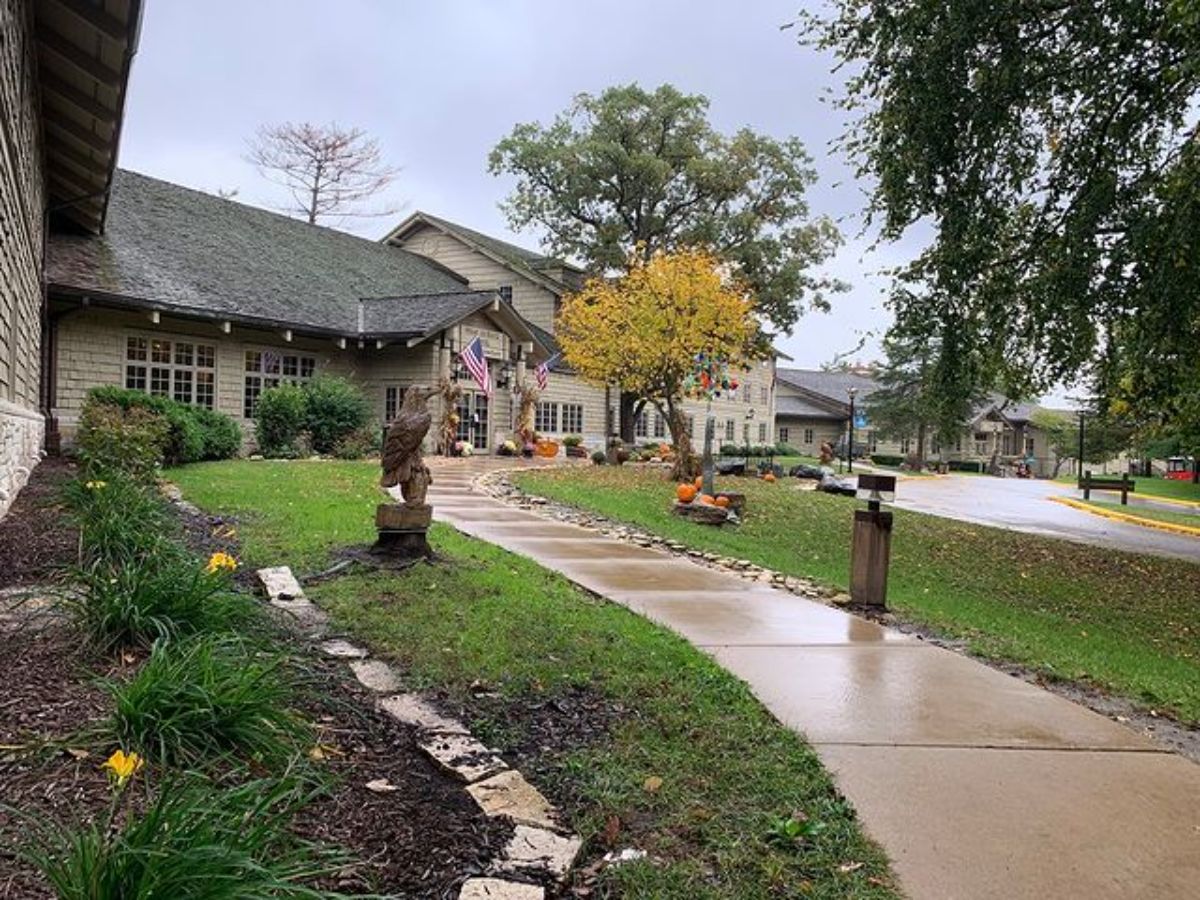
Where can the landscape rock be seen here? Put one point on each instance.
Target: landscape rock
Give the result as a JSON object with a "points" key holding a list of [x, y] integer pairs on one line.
{"points": [[509, 794], [539, 850], [376, 675], [412, 710], [279, 583], [340, 649], [498, 889], [463, 755]]}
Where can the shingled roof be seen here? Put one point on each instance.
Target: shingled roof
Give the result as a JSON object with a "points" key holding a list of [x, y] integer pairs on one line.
{"points": [[172, 248], [833, 384]]}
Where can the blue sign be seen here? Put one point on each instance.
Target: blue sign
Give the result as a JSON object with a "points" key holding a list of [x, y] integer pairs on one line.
{"points": [[860, 420]]}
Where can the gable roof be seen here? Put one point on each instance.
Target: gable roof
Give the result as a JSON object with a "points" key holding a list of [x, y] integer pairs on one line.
{"points": [[529, 263], [831, 385], [172, 248], [802, 408]]}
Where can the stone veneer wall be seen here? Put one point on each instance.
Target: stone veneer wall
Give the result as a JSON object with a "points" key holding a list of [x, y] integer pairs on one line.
{"points": [[22, 201]]}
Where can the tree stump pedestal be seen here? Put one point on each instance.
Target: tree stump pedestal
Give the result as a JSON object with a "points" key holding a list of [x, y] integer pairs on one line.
{"points": [[403, 531]]}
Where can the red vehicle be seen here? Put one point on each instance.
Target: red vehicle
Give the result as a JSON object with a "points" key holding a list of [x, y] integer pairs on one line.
{"points": [[1179, 468]]}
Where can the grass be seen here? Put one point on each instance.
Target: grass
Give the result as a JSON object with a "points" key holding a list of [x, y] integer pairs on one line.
{"points": [[1153, 487], [1126, 622], [1156, 513], [196, 701], [729, 773]]}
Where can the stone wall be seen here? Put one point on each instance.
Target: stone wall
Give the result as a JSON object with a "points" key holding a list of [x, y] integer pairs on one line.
{"points": [[22, 200]]}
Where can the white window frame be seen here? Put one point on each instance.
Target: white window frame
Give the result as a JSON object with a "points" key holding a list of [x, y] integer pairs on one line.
{"points": [[144, 372], [257, 379], [545, 417], [571, 418], [762, 432], [809, 435], [783, 434]]}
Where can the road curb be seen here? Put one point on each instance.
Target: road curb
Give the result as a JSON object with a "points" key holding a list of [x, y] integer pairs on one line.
{"points": [[1126, 517]]}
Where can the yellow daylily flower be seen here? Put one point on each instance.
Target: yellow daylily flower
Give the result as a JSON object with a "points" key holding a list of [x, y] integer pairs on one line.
{"points": [[123, 766], [96, 485], [221, 560]]}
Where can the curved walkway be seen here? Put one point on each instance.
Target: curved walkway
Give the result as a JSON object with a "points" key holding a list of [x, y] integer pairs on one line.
{"points": [[978, 785]]}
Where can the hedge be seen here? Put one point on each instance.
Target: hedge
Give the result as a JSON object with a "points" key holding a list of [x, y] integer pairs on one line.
{"points": [[192, 432]]}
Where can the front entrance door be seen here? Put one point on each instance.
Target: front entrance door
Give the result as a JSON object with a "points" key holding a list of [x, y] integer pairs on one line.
{"points": [[473, 419]]}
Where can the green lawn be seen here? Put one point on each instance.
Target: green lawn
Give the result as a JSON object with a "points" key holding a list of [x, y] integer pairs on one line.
{"points": [[1155, 487], [1129, 623], [729, 771], [1182, 517]]}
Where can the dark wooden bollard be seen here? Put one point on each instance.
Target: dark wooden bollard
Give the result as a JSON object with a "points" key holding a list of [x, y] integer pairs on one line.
{"points": [[870, 553]]}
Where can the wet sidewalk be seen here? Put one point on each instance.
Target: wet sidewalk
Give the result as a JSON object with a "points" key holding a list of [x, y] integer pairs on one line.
{"points": [[977, 784]]}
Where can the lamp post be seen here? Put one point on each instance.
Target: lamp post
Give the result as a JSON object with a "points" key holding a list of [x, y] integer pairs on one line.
{"points": [[1079, 462], [850, 442]]}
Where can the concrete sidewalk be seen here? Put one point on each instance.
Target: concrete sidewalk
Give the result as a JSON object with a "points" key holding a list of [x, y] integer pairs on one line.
{"points": [[978, 785]]}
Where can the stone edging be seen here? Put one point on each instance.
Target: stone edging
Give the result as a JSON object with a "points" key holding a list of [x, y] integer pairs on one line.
{"points": [[541, 848], [496, 484]]}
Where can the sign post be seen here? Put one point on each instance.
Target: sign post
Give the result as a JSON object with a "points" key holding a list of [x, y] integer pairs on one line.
{"points": [[871, 547]]}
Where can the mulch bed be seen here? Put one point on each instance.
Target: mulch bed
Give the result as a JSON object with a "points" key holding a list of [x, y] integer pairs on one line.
{"points": [[36, 541]]}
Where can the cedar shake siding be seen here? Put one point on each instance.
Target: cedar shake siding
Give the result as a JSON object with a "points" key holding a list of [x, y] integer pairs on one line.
{"points": [[22, 200]]}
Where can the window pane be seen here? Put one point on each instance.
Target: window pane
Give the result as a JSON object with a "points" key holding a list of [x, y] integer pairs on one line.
{"points": [[253, 361], [270, 362], [307, 366], [250, 395], [135, 348], [160, 351], [183, 386], [183, 354], [160, 381], [205, 393], [291, 366], [135, 378], [206, 356]]}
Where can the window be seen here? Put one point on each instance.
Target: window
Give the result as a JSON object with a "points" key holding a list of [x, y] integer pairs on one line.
{"points": [[572, 418], [660, 426], [267, 369], [505, 292], [393, 399], [1029, 446], [1006, 443], [473, 419], [746, 393], [783, 434], [762, 432], [906, 446], [182, 370], [691, 427], [545, 418], [640, 425], [764, 395], [935, 445], [808, 436], [729, 430]]}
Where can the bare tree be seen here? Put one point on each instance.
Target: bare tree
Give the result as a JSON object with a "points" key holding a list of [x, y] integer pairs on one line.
{"points": [[327, 170]]}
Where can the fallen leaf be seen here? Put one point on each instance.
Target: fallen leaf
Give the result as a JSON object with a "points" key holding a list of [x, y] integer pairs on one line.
{"points": [[381, 786], [77, 753], [652, 784], [850, 867], [612, 828]]}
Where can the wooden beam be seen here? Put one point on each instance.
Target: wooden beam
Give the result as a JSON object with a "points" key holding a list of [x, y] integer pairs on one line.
{"points": [[80, 193], [79, 133], [95, 17], [78, 58], [72, 95], [64, 152]]}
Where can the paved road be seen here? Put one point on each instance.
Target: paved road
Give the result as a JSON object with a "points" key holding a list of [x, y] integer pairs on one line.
{"points": [[1024, 505], [979, 786]]}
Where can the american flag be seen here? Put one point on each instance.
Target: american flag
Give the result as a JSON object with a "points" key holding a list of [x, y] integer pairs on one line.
{"points": [[542, 372], [472, 357]]}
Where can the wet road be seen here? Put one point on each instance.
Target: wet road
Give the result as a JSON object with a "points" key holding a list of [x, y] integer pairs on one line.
{"points": [[1022, 505]]}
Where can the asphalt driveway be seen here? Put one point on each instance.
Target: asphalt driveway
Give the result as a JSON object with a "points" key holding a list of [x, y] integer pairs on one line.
{"points": [[1024, 505]]}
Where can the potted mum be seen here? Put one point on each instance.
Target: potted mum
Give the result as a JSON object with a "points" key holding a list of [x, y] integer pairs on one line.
{"points": [[574, 445]]}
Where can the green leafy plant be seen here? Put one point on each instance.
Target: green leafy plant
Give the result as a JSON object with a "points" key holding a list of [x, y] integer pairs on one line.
{"points": [[278, 420], [120, 518], [790, 832], [334, 408], [599, 457], [192, 433], [112, 440], [194, 840], [572, 440], [199, 699], [360, 443], [160, 596]]}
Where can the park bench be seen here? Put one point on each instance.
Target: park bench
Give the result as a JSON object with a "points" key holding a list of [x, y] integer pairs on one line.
{"points": [[1090, 482]]}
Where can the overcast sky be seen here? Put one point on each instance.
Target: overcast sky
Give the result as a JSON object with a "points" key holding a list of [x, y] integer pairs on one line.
{"points": [[439, 83]]}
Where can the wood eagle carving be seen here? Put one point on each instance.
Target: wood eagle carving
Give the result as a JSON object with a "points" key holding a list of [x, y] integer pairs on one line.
{"points": [[402, 462]]}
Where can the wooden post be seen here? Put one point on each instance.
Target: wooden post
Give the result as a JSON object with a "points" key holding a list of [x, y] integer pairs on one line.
{"points": [[1087, 485], [870, 554], [1124, 488]]}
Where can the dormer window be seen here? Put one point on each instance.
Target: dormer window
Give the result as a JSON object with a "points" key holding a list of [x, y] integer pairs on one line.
{"points": [[505, 292]]}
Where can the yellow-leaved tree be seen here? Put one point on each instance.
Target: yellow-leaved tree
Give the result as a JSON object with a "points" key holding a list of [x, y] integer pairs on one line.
{"points": [[644, 330]]}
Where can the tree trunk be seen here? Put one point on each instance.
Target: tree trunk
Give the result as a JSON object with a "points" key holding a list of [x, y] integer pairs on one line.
{"points": [[921, 428], [627, 415], [687, 463]]}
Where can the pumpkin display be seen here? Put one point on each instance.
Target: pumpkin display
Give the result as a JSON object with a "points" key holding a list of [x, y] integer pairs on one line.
{"points": [[722, 501], [686, 493], [699, 482], [770, 476], [706, 499], [546, 449]]}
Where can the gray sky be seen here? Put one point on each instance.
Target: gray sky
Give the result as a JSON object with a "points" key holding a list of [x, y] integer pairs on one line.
{"points": [[438, 83]]}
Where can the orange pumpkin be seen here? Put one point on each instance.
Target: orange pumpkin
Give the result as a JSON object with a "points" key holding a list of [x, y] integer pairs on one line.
{"points": [[722, 501], [699, 482], [686, 493], [770, 476], [706, 499]]}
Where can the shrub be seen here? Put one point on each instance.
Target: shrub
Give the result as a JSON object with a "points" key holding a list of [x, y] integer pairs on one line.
{"points": [[193, 433], [279, 418], [886, 459], [732, 450], [599, 457], [194, 840], [572, 440], [195, 700], [782, 449], [162, 596], [113, 440], [361, 442], [120, 518], [334, 409]]}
